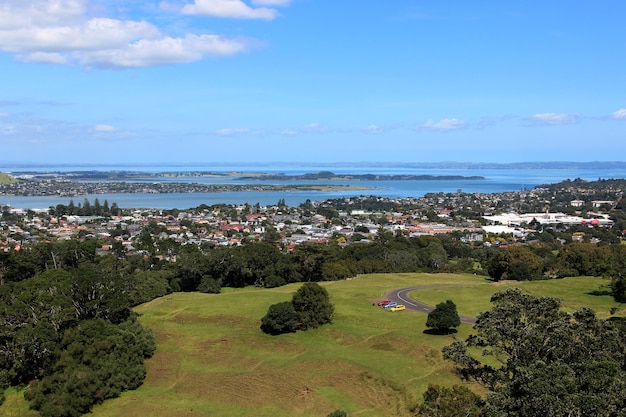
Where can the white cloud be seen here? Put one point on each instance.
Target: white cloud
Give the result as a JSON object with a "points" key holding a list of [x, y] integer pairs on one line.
{"points": [[45, 58], [445, 124], [8, 131], [619, 114], [546, 119], [373, 129], [236, 132], [236, 9], [104, 128], [59, 32], [289, 132], [146, 52], [315, 128], [272, 3]]}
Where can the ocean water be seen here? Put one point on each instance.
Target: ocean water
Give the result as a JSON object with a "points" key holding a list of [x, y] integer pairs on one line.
{"points": [[496, 180]]}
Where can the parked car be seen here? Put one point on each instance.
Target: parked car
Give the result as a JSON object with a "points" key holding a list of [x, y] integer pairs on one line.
{"points": [[390, 304], [383, 303], [399, 307]]}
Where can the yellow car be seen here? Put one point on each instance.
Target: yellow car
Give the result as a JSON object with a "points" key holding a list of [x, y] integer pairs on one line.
{"points": [[399, 307]]}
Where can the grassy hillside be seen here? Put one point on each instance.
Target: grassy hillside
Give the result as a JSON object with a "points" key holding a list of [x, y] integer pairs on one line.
{"points": [[6, 179], [212, 359]]}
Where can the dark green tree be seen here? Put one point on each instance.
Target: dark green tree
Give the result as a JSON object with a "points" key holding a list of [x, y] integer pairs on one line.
{"points": [[97, 295], [98, 361], [456, 401], [209, 285], [444, 317], [280, 318], [551, 363], [312, 304], [148, 285], [338, 413], [517, 263]]}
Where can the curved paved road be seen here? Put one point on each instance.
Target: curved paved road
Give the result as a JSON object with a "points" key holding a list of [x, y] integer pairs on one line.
{"points": [[401, 296]]}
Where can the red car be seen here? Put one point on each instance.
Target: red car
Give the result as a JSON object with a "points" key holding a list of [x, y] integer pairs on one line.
{"points": [[383, 303]]}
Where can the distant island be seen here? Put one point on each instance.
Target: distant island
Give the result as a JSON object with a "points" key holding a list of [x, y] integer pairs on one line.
{"points": [[328, 175], [76, 183]]}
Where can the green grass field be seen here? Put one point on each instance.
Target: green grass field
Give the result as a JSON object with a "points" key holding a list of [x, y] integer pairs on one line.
{"points": [[212, 359]]}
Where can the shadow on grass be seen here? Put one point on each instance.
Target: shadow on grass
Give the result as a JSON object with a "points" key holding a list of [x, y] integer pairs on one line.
{"points": [[600, 292], [440, 332]]}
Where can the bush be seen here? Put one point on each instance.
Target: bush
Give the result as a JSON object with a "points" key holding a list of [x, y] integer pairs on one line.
{"points": [[280, 318], [457, 401]]}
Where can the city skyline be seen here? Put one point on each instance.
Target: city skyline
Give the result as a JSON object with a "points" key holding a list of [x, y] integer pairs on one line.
{"points": [[186, 81]]}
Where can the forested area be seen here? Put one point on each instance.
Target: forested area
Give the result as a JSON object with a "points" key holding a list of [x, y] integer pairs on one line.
{"points": [[68, 334]]}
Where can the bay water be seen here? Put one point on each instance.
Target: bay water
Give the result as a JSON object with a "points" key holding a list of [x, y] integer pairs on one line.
{"points": [[495, 181]]}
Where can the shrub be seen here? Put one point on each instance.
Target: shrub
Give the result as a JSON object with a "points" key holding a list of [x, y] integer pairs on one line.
{"points": [[280, 318]]}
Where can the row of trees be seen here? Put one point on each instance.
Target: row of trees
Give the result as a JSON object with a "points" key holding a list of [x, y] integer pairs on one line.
{"points": [[527, 263], [86, 209], [266, 265]]}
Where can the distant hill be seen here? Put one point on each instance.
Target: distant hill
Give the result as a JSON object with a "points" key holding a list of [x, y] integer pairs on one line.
{"points": [[6, 178]]}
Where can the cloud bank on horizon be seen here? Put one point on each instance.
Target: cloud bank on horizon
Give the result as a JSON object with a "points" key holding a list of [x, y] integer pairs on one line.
{"points": [[303, 80]]}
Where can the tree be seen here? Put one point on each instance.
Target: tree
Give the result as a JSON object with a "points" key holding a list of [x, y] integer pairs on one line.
{"points": [[312, 304], [338, 413], [618, 275], [456, 401], [517, 262], [280, 318], [443, 317], [550, 362], [98, 361]]}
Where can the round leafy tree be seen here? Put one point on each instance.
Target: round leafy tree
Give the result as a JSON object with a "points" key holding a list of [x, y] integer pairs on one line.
{"points": [[280, 318], [312, 304], [556, 363], [444, 317]]}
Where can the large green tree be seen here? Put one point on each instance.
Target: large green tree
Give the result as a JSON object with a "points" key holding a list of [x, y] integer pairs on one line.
{"points": [[312, 304], [444, 317], [550, 362]]}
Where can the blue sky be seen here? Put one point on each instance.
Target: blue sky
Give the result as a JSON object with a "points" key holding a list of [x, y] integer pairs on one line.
{"points": [[176, 81]]}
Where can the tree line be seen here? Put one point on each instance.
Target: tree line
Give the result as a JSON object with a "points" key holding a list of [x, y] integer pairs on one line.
{"points": [[86, 209], [269, 265]]}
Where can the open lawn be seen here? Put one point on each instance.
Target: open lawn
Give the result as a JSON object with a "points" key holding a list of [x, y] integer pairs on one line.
{"points": [[212, 359], [574, 293]]}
